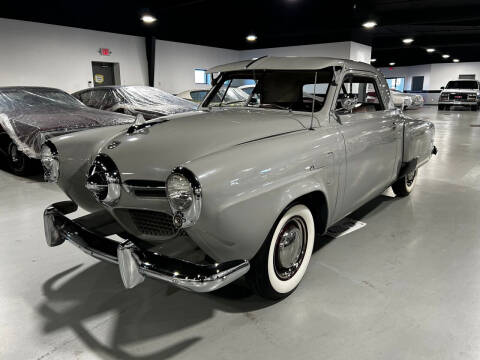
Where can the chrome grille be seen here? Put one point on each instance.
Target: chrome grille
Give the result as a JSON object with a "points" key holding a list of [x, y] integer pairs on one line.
{"points": [[153, 223], [146, 188]]}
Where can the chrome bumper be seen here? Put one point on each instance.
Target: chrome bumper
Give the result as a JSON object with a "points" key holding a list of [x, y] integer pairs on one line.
{"points": [[135, 263]]}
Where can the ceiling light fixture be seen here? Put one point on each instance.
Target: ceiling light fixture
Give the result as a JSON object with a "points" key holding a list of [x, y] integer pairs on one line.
{"points": [[251, 37], [148, 19], [456, 60], [369, 24], [430, 50], [407, 41], [445, 56], [392, 64]]}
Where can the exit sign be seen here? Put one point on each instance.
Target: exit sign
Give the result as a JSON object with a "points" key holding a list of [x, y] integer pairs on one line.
{"points": [[105, 51]]}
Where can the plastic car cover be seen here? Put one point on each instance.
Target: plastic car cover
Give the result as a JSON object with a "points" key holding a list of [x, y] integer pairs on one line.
{"points": [[30, 116], [134, 99]]}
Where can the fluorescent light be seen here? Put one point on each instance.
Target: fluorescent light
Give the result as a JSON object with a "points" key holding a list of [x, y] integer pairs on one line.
{"points": [[407, 41], [445, 56], [369, 24], [373, 60], [456, 60], [392, 64], [251, 37], [148, 19], [431, 50]]}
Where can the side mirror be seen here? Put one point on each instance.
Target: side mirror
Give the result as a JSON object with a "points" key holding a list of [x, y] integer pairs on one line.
{"points": [[442, 88]]}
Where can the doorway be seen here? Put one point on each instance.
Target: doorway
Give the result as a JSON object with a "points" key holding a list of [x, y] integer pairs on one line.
{"points": [[105, 73], [417, 83]]}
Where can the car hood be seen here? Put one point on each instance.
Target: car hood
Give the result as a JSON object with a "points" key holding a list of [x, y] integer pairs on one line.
{"points": [[151, 153]]}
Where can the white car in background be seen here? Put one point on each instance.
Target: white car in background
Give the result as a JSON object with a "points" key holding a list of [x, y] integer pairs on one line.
{"points": [[233, 95], [461, 92], [406, 101]]}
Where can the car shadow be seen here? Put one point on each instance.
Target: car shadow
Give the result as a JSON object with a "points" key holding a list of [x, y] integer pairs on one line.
{"points": [[147, 312]]}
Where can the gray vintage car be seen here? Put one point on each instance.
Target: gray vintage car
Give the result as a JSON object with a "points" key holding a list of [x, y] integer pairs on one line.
{"points": [[244, 187]]}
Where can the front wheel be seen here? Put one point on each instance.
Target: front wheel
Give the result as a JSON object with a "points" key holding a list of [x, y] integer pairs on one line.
{"points": [[441, 107], [19, 163], [474, 107], [405, 185], [281, 262]]}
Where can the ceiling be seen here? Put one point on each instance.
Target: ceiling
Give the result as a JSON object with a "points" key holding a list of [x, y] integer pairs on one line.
{"points": [[451, 27]]}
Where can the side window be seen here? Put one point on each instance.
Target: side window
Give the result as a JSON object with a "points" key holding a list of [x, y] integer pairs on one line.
{"points": [[85, 97], [358, 94]]}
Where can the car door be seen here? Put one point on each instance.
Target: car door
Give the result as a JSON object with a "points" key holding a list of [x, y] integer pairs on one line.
{"points": [[371, 134]]}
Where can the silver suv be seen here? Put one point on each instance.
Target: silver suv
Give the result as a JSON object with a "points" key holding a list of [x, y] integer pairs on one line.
{"points": [[460, 93]]}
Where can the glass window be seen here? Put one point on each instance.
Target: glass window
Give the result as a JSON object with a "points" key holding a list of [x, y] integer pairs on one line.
{"points": [[462, 85], [200, 76], [198, 95], [274, 89], [358, 94], [396, 83]]}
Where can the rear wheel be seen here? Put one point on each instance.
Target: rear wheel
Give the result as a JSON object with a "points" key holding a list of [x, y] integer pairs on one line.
{"points": [[405, 185], [19, 163], [474, 107], [281, 262], [441, 107]]}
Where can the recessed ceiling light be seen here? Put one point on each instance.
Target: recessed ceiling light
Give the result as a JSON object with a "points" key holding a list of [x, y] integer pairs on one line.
{"points": [[445, 56], [148, 19], [369, 24], [407, 41], [251, 37], [456, 60], [430, 50], [392, 64], [373, 60]]}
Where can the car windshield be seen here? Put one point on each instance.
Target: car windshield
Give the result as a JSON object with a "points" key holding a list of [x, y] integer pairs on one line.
{"points": [[297, 90], [462, 85], [38, 97]]}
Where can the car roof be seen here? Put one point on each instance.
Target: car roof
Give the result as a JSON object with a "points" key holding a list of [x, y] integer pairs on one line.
{"points": [[291, 63], [28, 88]]}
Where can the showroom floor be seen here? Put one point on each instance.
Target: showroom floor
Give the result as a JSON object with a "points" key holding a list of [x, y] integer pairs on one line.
{"points": [[405, 286]]}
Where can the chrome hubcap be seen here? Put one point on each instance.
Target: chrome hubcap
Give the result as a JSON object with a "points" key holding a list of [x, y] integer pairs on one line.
{"points": [[290, 248]]}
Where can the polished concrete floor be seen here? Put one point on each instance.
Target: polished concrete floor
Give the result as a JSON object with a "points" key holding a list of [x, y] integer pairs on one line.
{"points": [[405, 286]]}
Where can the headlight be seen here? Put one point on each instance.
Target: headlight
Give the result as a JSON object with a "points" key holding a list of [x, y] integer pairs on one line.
{"points": [[184, 195], [49, 159], [103, 180]]}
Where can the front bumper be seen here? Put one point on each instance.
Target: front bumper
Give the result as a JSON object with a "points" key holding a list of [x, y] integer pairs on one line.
{"points": [[134, 262], [459, 103]]}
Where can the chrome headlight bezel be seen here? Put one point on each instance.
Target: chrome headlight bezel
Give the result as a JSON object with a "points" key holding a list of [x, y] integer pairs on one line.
{"points": [[186, 213], [50, 162], [103, 180]]}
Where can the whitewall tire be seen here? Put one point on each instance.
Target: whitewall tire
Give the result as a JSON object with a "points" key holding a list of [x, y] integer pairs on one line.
{"points": [[405, 185], [281, 263]]}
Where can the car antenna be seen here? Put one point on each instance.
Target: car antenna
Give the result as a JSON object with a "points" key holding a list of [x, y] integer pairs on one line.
{"points": [[314, 99]]}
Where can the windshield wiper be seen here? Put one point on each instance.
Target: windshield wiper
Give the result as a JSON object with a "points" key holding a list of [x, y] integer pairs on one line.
{"points": [[234, 102], [276, 106]]}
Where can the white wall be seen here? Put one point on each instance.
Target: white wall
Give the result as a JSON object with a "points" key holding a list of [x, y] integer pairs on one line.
{"points": [[435, 75], [175, 63], [59, 56], [442, 73], [336, 49], [408, 72]]}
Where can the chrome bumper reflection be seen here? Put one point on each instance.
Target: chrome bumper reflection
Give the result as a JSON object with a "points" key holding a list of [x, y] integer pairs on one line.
{"points": [[135, 263]]}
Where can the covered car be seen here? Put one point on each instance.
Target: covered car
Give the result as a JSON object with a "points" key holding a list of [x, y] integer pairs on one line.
{"points": [[405, 100], [31, 115], [133, 100], [234, 94]]}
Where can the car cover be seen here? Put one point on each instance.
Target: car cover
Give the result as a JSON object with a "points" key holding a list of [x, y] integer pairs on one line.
{"points": [[136, 98], [30, 116]]}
